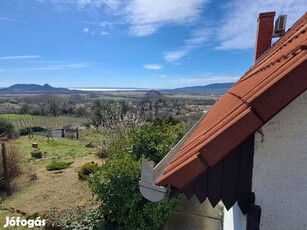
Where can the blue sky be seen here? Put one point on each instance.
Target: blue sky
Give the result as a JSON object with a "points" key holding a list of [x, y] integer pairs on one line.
{"points": [[131, 43]]}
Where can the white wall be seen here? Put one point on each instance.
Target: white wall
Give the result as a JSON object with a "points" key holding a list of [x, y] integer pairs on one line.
{"points": [[234, 219], [280, 168], [280, 172]]}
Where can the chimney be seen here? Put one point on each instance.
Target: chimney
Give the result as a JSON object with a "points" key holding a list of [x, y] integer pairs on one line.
{"points": [[264, 33]]}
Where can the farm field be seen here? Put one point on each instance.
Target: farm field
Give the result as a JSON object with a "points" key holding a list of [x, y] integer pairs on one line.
{"points": [[25, 120]]}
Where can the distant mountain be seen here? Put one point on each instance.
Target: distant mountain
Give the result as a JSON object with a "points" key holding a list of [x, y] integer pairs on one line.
{"points": [[40, 89], [212, 88], [33, 88]]}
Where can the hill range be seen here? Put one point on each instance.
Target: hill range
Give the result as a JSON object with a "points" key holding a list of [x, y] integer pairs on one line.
{"points": [[35, 89], [212, 88], [43, 89]]}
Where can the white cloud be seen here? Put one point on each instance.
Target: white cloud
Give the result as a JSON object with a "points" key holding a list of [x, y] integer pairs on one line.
{"points": [[84, 2], [173, 56], [88, 31], [106, 24], [238, 27], [61, 6], [59, 67], [152, 66], [12, 20], [159, 75], [112, 4], [6, 19], [103, 33], [19, 57], [197, 39], [147, 16], [1, 70], [235, 30]]}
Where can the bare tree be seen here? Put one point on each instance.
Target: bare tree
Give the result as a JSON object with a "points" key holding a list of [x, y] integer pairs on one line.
{"points": [[116, 116]]}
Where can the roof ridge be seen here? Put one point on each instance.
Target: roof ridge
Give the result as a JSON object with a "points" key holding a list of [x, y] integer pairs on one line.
{"points": [[273, 52]]}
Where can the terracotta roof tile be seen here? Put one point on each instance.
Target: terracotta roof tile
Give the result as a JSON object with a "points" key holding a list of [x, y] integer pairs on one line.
{"points": [[277, 78]]}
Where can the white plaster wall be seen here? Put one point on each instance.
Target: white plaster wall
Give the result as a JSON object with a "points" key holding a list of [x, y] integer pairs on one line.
{"points": [[234, 219], [280, 168]]}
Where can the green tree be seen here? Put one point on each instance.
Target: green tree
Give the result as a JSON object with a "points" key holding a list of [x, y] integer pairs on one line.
{"points": [[153, 141], [116, 184]]}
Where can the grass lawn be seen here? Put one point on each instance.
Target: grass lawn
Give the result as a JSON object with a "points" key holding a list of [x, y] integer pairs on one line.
{"points": [[52, 189], [56, 149], [60, 148], [63, 190]]}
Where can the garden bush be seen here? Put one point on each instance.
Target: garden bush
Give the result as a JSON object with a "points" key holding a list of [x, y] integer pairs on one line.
{"points": [[73, 219], [87, 171], [102, 151], [123, 206], [13, 162], [89, 145], [27, 130], [155, 140], [7, 129], [58, 165]]}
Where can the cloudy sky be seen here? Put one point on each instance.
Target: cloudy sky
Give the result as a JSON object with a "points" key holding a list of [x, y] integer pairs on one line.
{"points": [[131, 43]]}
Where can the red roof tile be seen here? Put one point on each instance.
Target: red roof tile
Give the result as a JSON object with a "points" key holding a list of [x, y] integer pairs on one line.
{"points": [[277, 78]]}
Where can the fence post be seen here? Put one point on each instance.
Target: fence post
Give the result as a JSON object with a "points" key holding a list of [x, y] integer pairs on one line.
{"points": [[5, 170]]}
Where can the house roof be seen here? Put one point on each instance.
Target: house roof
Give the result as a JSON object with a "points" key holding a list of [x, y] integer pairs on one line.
{"points": [[276, 79]]}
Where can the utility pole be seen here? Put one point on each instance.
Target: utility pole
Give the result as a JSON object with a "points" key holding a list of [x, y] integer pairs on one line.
{"points": [[5, 170]]}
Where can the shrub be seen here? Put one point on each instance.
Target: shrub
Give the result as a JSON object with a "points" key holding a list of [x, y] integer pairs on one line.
{"points": [[27, 130], [154, 141], [36, 153], [12, 161], [7, 129], [122, 203], [89, 145], [102, 151], [151, 141], [58, 165], [73, 219], [87, 171]]}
